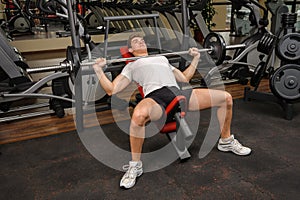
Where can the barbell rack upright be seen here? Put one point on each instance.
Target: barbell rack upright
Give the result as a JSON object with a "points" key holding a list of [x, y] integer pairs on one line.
{"points": [[78, 80]]}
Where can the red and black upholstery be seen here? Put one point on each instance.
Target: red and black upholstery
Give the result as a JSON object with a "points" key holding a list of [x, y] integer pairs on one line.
{"points": [[176, 129]]}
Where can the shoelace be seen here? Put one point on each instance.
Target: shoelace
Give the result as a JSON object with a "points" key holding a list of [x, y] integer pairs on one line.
{"points": [[130, 171], [237, 145]]}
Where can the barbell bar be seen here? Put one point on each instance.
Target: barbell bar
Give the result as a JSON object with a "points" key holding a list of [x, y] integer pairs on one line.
{"points": [[117, 60], [215, 48], [214, 44], [65, 65]]}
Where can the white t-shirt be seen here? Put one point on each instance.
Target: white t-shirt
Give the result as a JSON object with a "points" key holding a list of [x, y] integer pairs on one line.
{"points": [[151, 73]]}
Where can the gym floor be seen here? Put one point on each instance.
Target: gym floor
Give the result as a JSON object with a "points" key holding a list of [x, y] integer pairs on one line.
{"points": [[60, 167], [44, 157]]}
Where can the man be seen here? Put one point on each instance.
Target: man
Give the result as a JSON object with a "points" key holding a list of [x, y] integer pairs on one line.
{"points": [[159, 81]]}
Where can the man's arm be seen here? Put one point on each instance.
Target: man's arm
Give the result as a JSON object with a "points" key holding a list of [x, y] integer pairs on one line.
{"points": [[110, 87], [189, 72]]}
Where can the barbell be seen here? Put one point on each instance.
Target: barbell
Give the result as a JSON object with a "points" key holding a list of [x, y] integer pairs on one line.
{"points": [[214, 44]]}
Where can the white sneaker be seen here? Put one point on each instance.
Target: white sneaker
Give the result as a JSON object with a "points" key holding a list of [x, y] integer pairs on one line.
{"points": [[133, 170], [233, 145]]}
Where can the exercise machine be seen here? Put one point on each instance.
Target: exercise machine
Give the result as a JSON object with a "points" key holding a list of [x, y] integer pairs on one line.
{"points": [[45, 12], [17, 84], [277, 8], [245, 60], [20, 23], [243, 21]]}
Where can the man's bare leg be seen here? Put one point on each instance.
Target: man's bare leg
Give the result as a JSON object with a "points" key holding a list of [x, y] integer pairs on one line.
{"points": [[145, 111], [205, 98]]}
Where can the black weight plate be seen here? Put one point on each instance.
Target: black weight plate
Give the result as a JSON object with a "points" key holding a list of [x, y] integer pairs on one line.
{"points": [[257, 75], [285, 82], [261, 44], [217, 42], [265, 45], [288, 47], [74, 58]]}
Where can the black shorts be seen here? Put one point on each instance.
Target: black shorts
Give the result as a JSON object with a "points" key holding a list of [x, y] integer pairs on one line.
{"points": [[165, 95]]}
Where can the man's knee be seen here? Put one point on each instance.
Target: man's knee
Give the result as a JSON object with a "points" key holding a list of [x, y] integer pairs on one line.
{"points": [[139, 117], [228, 99]]}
